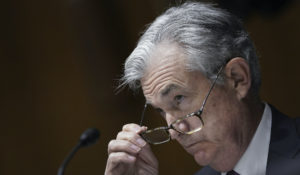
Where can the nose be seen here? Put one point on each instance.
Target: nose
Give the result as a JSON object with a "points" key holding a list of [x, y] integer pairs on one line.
{"points": [[174, 134]]}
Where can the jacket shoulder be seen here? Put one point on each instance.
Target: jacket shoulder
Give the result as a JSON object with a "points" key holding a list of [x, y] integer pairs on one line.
{"points": [[284, 150]]}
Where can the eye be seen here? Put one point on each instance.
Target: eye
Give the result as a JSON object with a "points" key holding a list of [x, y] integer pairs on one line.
{"points": [[178, 99]]}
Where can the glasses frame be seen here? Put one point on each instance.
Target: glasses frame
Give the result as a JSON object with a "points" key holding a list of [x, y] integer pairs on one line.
{"points": [[167, 128]]}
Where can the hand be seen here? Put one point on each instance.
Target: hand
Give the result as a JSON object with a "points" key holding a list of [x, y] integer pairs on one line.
{"points": [[130, 154]]}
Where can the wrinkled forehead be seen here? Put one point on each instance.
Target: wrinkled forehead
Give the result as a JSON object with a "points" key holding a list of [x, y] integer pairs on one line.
{"points": [[166, 67]]}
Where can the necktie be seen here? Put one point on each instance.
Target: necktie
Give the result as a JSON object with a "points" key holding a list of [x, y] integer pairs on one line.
{"points": [[232, 173]]}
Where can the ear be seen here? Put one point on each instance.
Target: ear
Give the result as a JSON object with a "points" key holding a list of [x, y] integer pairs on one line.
{"points": [[238, 76]]}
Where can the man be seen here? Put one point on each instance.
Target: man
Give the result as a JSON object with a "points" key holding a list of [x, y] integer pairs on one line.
{"points": [[197, 66]]}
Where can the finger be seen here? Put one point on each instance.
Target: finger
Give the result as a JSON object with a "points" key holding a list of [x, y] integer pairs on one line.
{"points": [[132, 137], [123, 146], [118, 162], [132, 127], [120, 157], [147, 155]]}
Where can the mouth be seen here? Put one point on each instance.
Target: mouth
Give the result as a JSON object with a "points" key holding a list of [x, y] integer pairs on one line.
{"points": [[190, 145], [192, 148]]}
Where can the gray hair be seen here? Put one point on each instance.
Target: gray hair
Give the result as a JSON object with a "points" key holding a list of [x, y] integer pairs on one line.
{"points": [[209, 36]]}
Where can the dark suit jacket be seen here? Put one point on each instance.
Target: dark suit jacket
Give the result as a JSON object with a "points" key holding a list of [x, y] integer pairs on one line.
{"points": [[284, 149]]}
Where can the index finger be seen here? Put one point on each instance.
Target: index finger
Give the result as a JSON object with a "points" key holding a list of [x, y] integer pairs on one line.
{"points": [[132, 127]]}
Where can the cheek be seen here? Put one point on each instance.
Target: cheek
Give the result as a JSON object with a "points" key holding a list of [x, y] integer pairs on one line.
{"points": [[169, 118], [216, 131], [219, 122]]}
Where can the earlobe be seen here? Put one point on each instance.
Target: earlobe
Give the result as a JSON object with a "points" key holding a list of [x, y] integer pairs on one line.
{"points": [[238, 72]]}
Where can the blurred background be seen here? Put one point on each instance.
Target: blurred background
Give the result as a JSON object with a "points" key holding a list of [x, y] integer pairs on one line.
{"points": [[61, 59]]}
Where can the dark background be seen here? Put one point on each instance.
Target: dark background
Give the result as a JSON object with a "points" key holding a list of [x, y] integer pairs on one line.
{"points": [[60, 62]]}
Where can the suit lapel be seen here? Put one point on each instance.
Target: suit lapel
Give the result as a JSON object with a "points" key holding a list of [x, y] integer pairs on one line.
{"points": [[284, 142]]}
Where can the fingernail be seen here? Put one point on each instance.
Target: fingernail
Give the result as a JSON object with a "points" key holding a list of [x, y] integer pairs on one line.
{"points": [[137, 129], [131, 157], [145, 127], [135, 148], [141, 142]]}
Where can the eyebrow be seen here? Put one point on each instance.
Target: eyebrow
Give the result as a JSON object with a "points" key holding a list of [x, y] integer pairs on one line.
{"points": [[168, 89]]}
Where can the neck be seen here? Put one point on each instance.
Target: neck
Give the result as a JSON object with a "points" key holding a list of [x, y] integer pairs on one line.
{"points": [[251, 112]]}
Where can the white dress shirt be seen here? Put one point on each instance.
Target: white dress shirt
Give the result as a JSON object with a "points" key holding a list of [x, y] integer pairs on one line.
{"points": [[254, 160]]}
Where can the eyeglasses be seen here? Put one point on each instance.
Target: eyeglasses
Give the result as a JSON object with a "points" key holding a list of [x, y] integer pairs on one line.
{"points": [[161, 134]]}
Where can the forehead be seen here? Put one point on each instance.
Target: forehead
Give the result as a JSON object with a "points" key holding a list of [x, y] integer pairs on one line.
{"points": [[165, 71]]}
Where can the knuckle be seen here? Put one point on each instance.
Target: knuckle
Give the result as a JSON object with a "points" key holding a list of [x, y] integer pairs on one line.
{"points": [[125, 127], [113, 158], [119, 135], [118, 146], [128, 136], [117, 157], [132, 137], [130, 126], [127, 144], [110, 145]]}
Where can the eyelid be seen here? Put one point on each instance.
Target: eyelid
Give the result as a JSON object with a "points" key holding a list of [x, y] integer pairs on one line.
{"points": [[179, 98]]}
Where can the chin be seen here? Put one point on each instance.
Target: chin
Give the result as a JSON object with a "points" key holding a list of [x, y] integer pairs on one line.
{"points": [[203, 152], [202, 158]]}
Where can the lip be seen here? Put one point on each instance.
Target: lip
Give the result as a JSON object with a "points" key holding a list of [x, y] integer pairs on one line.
{"points": [[190, 145], [192, 148]]}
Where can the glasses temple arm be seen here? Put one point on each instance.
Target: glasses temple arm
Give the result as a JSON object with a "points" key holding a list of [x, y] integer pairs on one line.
{"points": [[218, 74], [142, 118]]}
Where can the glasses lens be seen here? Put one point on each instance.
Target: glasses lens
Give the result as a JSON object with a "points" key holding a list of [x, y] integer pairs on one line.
{"points": [[156, 136], [188, 125]]}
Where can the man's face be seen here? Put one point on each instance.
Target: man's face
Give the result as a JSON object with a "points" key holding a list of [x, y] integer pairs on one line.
{"points": [[176, 92]]}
